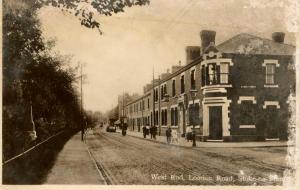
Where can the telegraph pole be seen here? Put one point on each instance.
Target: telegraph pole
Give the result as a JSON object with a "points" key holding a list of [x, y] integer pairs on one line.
{"points": [[81, 104], [159, 107], [154, 96]]}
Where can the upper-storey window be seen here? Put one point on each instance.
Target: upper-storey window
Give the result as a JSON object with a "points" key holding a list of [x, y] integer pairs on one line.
{"points": [[182, 84], [193, 81], [162, 92], [224, 73], [156, 95], [165, 89], [148, 103], [270, 71], [173, 87], [215, 71], [212, 73]]}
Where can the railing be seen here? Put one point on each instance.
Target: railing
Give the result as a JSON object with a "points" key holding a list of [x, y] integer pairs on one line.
{"points": [[32, 166]]}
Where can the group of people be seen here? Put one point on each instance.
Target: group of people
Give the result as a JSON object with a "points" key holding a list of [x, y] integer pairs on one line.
{"points": [[150, 130], [172, 135]]}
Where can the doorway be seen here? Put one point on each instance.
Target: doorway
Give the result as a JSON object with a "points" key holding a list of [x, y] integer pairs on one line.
{"points": [[215, 123]]}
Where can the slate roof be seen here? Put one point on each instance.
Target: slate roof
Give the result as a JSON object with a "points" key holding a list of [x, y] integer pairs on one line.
{"points": [[249, 44]]}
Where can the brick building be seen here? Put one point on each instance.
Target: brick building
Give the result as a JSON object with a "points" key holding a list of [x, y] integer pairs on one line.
{"points": [[243, 89]]}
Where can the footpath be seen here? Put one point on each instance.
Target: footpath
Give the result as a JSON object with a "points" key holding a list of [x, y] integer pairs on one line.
{"points": [[183, 142], [74, 165]]}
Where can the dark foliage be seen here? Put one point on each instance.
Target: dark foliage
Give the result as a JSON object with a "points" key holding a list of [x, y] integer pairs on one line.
{"points": [[85, 10], [33, 76]]}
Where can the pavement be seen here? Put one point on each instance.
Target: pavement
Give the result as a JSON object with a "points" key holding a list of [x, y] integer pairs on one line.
{"points": [[74, 165], [183, 143]]}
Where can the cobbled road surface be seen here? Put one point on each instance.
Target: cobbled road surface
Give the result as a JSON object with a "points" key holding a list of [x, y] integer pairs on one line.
{"points": [[134, 161]]}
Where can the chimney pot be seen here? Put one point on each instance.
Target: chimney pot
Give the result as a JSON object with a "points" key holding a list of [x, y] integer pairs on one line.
{"points": [[192, 52], [278, 37], [207, 38]]}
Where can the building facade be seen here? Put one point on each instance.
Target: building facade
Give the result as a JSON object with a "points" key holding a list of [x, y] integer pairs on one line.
{"points": [[236, 91]]}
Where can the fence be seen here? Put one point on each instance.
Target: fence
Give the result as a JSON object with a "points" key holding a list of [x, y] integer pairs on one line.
{"points": [[32, 166]]}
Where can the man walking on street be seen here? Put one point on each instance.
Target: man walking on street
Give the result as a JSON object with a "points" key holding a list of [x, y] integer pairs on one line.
{"points": [[168, 135]]}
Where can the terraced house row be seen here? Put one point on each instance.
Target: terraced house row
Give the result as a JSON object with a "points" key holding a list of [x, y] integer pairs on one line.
{"points": [[239, 90]]}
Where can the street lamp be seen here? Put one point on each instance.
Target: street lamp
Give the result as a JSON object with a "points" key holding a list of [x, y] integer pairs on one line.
{"points": [[193, 93]]}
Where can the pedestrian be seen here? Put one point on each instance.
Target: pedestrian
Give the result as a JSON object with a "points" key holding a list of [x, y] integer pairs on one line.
{"points": [[168, 135], [174, 136], [144, 131], [188, 134], [154, 132], [124, 129], [151, 132], [147, 130]]}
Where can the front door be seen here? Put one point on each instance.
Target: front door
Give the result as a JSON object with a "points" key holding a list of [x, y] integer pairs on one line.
{"points": [[271, 123], [215, 122]]}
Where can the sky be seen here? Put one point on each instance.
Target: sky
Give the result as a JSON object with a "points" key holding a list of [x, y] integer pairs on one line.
{"points": [[154, 37]]}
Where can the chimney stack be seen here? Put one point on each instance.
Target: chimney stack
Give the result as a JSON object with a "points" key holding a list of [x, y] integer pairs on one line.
{"points": [[207, 38], [192, 52], [278, 37]]}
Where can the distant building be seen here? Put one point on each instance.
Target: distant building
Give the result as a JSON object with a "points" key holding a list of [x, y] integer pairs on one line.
{"points": [[243, 88]]}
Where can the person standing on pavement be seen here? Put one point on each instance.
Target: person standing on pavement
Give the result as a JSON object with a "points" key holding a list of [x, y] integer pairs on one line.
{"points": [[168, 135], [154, 132], [188, 134], [151, 132], [147, 130], [144, 131]]}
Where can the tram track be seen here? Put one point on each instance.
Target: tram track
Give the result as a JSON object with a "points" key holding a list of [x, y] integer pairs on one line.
{"points": [[133, 151]]}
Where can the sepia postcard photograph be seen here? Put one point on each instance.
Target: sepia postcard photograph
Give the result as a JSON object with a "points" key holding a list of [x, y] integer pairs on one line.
{"points": [[150, 94]]}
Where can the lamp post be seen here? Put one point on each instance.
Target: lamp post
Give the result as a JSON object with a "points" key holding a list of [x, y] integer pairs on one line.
{"points": [[193, 93]]}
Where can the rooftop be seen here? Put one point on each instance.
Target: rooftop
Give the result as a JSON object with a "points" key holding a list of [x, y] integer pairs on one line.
{"points": [[249, 44]]}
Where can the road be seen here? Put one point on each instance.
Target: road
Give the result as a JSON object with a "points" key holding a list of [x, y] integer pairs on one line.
{"points": [[130, 160]]}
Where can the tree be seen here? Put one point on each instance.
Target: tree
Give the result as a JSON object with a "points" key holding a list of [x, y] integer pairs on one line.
{"points": [[33, 79], [84, 10]]}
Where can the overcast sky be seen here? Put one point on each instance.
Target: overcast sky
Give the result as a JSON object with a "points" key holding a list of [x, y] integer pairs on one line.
{"points": [[122, 59]]}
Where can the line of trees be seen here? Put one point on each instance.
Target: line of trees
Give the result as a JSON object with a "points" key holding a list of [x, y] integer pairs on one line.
{"points": [[39, 88]]}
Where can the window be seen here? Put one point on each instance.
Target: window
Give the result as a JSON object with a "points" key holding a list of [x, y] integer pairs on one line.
{"points": [[173, 88], [224, 73], [162, 117], [156, 95], [270, 71], [148, 103], [247, 113], [166, 117], [193, 81], [165, 89], [182, 84], [157, 116], [174, 117], [161, 92], [203, 75], [194, 114], [212, 74]]}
